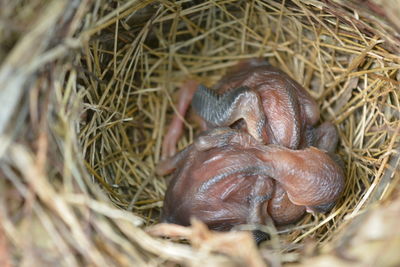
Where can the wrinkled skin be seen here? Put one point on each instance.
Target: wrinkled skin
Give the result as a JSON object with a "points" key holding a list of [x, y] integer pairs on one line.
{"points": [[273, 109], [254, 96], [226, 178]]}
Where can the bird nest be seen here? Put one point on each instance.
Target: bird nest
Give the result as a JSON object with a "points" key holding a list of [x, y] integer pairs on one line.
{"points": [[87, 91]]}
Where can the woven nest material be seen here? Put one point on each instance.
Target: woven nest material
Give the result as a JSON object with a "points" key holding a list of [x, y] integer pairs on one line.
{"points": [[87, 89]]}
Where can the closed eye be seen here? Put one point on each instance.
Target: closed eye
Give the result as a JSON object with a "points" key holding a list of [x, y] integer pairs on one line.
{"points": [[323, 208]]}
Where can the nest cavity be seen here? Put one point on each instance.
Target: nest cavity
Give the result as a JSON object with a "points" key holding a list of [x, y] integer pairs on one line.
{"points": [[88, 88]]}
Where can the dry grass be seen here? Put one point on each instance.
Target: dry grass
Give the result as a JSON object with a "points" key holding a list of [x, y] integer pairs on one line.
{"points": [[87, 91]]}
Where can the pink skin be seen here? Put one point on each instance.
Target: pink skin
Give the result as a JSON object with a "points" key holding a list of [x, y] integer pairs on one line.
{"points": [[288, 114], [175, 129], [281, 209], [275, 100], [288, 107], [228, 178]]}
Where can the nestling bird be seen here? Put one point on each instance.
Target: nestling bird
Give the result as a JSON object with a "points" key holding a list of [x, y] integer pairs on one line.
{"points": [[269, 167], [256, 97], [226, 178]]}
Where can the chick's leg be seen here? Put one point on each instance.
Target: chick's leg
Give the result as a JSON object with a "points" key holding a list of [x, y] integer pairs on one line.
{"points": [[175, 129]]}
